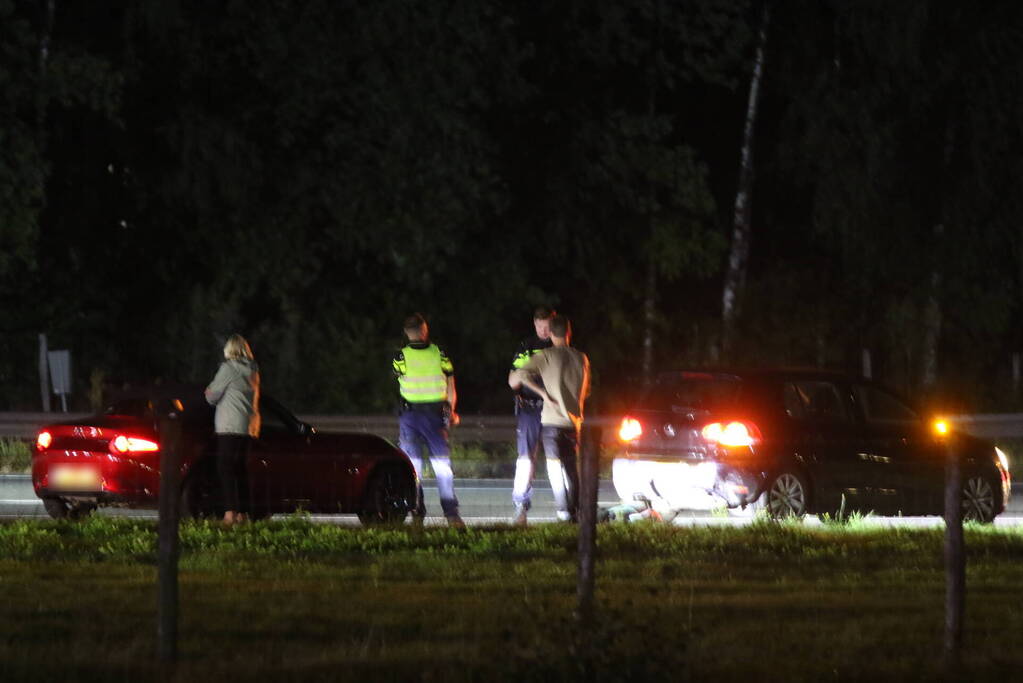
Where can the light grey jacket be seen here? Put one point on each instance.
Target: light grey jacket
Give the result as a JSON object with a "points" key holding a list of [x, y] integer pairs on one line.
{"points": [[235, 393]]}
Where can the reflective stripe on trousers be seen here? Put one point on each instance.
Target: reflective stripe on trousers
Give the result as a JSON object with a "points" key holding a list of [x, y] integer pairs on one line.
{"points": [[527, 433], [417, 427]]}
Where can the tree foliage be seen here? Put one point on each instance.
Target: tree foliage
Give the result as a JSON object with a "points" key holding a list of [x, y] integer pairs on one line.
{"points": [[307, 173]]}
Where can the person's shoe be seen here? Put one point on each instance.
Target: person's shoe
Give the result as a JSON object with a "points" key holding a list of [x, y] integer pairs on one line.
{"points": [[455, 522], [520, 516]]}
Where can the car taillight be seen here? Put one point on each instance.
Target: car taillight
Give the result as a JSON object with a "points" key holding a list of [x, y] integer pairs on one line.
{"points": [[44, 440], [630, 430], [731, 433], [122, 444]]}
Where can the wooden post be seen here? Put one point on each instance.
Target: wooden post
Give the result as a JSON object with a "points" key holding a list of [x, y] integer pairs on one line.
{"points": [[1015, 374], [170, 474], [590, 446], [44, 372], [955, 554]]}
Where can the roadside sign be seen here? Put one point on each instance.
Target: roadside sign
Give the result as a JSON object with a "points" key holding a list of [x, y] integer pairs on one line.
{"points": [[60, 374]]}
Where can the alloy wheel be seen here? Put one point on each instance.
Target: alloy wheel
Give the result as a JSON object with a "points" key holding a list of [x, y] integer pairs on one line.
{"points": [[978, 500], [786, 497], [387, 498]]}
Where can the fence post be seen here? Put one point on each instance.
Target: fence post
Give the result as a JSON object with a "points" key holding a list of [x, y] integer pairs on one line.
{"points": [[955, 554], [588, 470], [167, 531]]}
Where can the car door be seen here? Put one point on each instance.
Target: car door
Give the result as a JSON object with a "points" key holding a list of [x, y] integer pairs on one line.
{"points": [[326, 462], [309, 468], [825, 437], [905, 461], [283, 477]]}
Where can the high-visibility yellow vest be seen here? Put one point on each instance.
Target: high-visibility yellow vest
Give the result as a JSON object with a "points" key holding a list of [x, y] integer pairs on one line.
{"points": [[422, 378]]}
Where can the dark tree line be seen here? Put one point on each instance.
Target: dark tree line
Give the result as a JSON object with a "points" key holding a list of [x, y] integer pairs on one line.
{"points": [[309, 172]]}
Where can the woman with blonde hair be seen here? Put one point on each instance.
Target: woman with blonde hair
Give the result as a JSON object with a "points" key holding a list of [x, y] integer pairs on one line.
{"points": [[235, 393]]}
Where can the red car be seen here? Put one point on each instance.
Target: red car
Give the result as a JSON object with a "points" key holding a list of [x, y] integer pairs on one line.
{"points": [[114, 459]]}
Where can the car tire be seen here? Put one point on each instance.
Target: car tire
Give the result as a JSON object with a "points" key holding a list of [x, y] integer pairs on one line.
{"points": [[787, 495], [259, 514], [56, 508], [390, 496], [979, 499]]}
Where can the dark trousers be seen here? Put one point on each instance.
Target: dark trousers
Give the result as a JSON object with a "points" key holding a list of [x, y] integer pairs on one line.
{"points": [[527, 433], [232, 465], [562, 444], [425, 424]]}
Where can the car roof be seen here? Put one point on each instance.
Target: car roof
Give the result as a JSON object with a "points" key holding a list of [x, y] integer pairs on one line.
{"points": [[780, 373]]}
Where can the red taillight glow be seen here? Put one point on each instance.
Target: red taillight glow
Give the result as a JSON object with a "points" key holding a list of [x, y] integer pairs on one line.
{"points": [[731, 434], [128, 444], [630, 430], [44, 440]]}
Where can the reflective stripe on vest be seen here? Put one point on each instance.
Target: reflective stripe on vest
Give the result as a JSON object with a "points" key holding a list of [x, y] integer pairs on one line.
{"points": [[423, 380]]}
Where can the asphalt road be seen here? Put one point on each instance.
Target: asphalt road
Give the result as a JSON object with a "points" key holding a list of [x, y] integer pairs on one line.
{"points": [[483, 501]]}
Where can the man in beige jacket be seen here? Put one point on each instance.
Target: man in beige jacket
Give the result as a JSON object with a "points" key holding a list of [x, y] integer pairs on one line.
{"points": [[564, 375]]}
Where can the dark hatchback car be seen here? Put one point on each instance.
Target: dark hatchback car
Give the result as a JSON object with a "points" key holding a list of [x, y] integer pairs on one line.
{"points": [[114, 459], [792, 443]]}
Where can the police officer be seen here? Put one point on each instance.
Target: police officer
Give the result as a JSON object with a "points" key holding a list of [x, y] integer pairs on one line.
{"points": [[528, 406], [561, 376], [426, 382]]}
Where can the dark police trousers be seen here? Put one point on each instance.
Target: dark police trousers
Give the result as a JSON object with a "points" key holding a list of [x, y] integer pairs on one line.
{"points": [[426, 423]]}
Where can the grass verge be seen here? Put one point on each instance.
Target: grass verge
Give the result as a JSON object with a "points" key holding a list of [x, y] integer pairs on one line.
{"points": [[292, 600], [15, 457]]}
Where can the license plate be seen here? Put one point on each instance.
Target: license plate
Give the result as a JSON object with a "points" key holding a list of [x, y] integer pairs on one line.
{"points": [[75, 478]]}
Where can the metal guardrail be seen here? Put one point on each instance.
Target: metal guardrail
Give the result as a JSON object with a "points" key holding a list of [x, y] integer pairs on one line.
{"points": [[472, 429], [483, 428]]}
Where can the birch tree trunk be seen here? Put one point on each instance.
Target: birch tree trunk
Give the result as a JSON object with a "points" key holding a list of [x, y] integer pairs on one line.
{"points": [[738, 258], [932, 323], [649, 317], [46, 33], [932, 308], [650, 296]]}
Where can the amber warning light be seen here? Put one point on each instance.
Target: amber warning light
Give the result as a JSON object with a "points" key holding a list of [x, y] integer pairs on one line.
{"points": [[44, 440]]}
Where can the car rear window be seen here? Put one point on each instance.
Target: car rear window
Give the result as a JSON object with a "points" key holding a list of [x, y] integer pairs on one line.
{"points": [[130, 407], [194, 410], [691, 391]]}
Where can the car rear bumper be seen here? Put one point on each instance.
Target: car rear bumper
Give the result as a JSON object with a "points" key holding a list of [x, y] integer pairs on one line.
{"points": [[98, 497], [680, 484], [98, 477]]}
